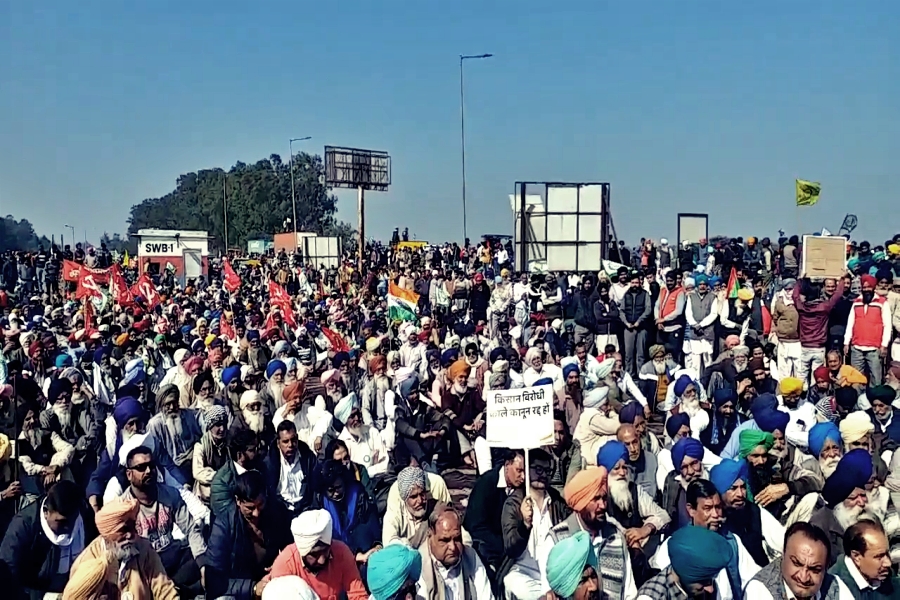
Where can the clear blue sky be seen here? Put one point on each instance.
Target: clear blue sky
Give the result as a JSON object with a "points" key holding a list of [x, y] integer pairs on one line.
{"points": [[692, 106]]}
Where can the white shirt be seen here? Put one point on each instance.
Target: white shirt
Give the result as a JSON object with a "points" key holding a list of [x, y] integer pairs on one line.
{"points": [[453, 584], [757, 590], [290, 483], [368, 450], [626, 382], [747, 568], [533, 560], [795, 432]]}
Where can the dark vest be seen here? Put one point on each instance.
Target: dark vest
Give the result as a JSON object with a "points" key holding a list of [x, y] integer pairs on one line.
{"points": [[670, 494], [736, 319], [747, 525], [770, 576], [633, 304], [629, 519]]}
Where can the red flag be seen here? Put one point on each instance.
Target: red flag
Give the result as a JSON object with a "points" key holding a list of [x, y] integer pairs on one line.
{"points": [[278, 297], [71, 271], [144, 288], [87, 286], [733, 285], [226, 329], [338, 344], [118, 288], [232, 281]]}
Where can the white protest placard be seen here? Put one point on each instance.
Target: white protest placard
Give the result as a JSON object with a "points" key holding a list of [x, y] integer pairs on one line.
{"points": [[520, 418]]}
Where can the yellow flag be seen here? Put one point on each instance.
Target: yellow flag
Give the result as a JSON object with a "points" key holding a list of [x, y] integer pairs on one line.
{"points": [[808, 192], [125, 261]]}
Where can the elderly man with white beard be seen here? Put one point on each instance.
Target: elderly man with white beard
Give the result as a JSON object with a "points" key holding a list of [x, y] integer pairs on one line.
{"points": [[843, 498], [412, 352], [312, 421], [119, 563], [687, 453], [178, 375], [272, 393], [73, 422], [253, 418], [363, 441], [175, 429], [826, 448], [334, 389], [633, 508], [352, 377], [375, 392]]}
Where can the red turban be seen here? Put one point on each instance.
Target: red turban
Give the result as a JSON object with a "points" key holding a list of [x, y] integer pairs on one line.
{"points": [[822, 374], [867, 279], [34, 347], [293, 391], [377, 362]]}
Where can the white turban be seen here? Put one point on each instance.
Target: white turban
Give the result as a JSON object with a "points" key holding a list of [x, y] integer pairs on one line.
{"points": [[139, 439], [245, 371], [180, 355], [343, 408], [248, 398], [329, 375], [596, 397], [532, 354], [288, 587], [402, 374], [856, 426], [310, 528]]}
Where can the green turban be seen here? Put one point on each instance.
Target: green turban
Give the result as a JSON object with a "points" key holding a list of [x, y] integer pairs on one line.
{"points": [[698, 554], [567, 561], [750, 439]]}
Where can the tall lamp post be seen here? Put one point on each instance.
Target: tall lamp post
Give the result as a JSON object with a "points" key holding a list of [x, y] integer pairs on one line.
{"points": [[293, 197], [462, 131], [73, 233]]}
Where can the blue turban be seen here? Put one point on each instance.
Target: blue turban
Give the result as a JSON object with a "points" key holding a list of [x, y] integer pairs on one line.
{"points": [[274, 366], [339, 359], [701, 278], [714, 280], [630, 412], [854, 471], [408, 386], [389, 568], [772, 420], [432, 354], [724, 474], [126, 409], [693, 565], [686, 447], [63, 361], [134, 372], [496, 354], [682, 384], [723, 396], [567, 561], [543, 381], [763, 402], [676, 422], [231, 373], [820, 433], [450, 356], [611, 453], [252, 335], [570, 368], [99, 353]]}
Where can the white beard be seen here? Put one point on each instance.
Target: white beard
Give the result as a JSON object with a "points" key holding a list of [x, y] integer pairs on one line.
{"points": [[620, 494], [64, 414], [174, 425], [382, 385], [124, 552], [256, 421], [828, 465], [77, 398], [847, 517], [459, 390], [659, 367], [127, 435], [33, 436], [277, 390], [876, 507], [740, 364], [204, 404], [691, 407]]}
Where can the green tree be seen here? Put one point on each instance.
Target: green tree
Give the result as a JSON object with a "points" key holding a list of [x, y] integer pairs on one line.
{"points": [[258, 200], [19, 235]]}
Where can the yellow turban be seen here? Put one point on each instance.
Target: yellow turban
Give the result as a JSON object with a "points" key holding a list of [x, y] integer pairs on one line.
{"points": [[122, 339], [87, 580], [112, 518], [584, 487], [745, 294], [790, 385], [894, 249]]}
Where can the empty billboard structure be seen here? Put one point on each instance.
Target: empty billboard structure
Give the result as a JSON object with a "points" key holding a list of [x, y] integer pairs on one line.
{"points": [[562, 226]]}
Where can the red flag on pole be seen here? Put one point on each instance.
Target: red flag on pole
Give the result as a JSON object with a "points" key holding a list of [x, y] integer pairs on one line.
{"points": [[144, 288], [118, 288], [87, 286], [280, 298], [338, 344], [232, 281]]}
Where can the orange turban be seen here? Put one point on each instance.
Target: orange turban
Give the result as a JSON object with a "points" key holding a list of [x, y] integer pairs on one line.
{"points": [[377, 362], [293, 391], [458, 368], [87, 580], [112, 518], [584, 487]]}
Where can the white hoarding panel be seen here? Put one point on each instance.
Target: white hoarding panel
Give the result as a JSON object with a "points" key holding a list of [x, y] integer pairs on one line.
{"points": [[562, 199]]}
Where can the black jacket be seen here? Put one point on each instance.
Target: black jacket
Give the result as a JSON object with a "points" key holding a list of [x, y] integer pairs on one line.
{"points": [[29, 560], [584, 309], [516, 534], [232, 565], [607, 319], [364, 531], [273, 477], [484, 524]]}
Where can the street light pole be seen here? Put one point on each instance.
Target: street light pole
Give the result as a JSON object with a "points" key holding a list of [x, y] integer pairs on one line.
{"points": [[462, 131], [225, 207], [73, 234], [293, 197]]}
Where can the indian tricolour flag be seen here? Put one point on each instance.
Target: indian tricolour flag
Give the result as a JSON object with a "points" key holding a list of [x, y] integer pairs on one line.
{"points": [[402, 304]]}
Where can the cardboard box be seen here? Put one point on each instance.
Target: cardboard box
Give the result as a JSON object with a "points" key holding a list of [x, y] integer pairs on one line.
{"points": [[823, 257]]}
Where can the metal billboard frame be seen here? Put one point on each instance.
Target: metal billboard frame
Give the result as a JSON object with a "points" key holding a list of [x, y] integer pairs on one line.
{"points": [[355, 168], [523, 240]]}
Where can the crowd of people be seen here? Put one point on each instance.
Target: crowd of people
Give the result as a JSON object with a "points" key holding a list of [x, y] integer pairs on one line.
{"points": [[723, 429]]}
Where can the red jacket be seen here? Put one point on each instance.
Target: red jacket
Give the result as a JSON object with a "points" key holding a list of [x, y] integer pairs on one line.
{"points": [[868, 324]]}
